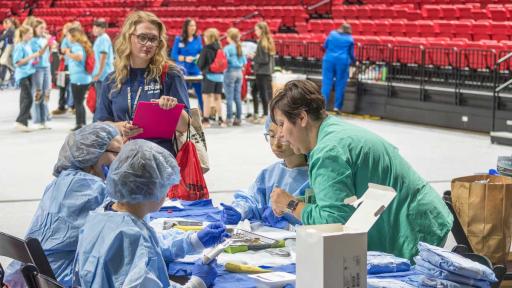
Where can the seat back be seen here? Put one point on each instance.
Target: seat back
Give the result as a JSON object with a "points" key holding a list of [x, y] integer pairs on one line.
{"points": [[457, 230], [27, 251], [36, 280]]}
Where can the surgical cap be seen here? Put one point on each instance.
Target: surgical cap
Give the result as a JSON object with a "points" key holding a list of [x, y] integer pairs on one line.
{"points": [[142, 171], [84, 147]]}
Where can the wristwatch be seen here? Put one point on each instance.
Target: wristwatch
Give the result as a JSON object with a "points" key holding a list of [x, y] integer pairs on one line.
{"points": [[292, 205]]}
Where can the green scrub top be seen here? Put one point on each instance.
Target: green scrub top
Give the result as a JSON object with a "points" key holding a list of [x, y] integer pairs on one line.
{"points": [[345, 159]]}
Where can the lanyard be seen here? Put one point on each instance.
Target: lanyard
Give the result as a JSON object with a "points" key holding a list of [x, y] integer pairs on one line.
{"points": [[130, 112]]}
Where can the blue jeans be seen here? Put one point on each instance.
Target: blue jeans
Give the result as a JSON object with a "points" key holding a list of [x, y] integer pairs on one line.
{"points": [[233, 90], [41, 87], [334, 69]]}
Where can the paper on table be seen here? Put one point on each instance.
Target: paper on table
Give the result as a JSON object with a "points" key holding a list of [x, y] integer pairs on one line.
{"points": [[156, 122]]}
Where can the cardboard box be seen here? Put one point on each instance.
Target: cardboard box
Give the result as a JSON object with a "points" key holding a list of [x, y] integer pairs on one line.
{"points": [[334, 255]]}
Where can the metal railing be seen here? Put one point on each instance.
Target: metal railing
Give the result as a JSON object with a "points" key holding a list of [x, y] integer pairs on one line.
{"points": [[497, 89]]}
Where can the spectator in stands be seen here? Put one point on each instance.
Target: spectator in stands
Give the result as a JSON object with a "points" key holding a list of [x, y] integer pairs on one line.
{"points": [[80, 80], [7, 38], [185, 52], [263, 67], [339, 55], [23, 58], [65, 96], [41, 79], [141, 62], [212, 82], [103, 54], [233, 76]]}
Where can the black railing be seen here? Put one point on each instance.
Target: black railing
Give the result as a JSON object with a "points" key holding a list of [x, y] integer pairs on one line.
{"points": [[501, 65]]}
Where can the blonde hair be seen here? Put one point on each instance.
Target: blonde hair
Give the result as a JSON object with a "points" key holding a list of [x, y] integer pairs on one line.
{"points": [[211, 35], [234, 35], [122, 47], [266, 40], [78, 35], [29, 21], [21, 32], [36, 23]]}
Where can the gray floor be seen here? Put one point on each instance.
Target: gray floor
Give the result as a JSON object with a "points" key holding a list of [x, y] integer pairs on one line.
{"points": [[236, 156]]}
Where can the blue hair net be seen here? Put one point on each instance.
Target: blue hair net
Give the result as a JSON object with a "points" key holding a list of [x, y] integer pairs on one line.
{"points": [[84, 147], [142, 171]]}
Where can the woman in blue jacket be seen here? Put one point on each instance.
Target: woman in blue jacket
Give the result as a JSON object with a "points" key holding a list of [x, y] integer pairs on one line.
{"points": [[339, 54], [186, 50]]}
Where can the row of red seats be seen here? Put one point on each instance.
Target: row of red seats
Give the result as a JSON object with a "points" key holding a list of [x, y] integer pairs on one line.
{"points": [[107, 3], [222, 24], [469, 29], [419, 3], [428, 12], [296, 14], [94, 12], [196, 3]]}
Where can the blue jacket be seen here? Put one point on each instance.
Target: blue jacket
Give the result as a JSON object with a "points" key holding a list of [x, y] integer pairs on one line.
{"points": [[339, 47], [192, 48]]}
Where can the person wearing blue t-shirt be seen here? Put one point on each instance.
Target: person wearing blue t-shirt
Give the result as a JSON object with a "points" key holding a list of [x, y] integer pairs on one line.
{"points": [[103, 54], [41, 79], [233, 76], [186, 50], [65, 97], [78, 76], [339, 55], [23, 57], [141, 60]]}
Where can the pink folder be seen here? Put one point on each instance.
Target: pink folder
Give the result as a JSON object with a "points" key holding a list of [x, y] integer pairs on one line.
{"points": [[156, 122]]}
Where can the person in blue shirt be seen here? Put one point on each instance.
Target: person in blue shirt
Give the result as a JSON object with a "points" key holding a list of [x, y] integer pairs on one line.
{"points": [[65, 97], [7, 39], [77, 189], [23, 57], [103, 54], [212, 81], [117, 247], [233, 76], [78, 76], [339, 55], [41, 79], [186, 50], [290, 174], [141, 57]]}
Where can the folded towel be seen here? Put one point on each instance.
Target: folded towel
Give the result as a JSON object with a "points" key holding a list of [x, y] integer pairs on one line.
{"points": [[379, 263]]}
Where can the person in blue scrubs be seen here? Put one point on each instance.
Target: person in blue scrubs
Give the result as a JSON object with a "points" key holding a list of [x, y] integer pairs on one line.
{"points": [[117, 247], [41, 80], [290, 174], [79, 78], [140, 62], [103, 54], [77, 189], [339, 55], [186, 50]]}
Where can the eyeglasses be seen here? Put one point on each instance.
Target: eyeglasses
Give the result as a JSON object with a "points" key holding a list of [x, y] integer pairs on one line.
{"points": [[270, 138], [146, 39]]}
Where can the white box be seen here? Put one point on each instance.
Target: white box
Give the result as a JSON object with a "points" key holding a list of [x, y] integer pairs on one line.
{"points": [[334, 255]]}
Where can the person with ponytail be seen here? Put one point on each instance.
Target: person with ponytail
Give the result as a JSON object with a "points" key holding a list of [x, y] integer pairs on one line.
{"points": [[263, 68], [23, 58], [233, 76], [79, 78]]}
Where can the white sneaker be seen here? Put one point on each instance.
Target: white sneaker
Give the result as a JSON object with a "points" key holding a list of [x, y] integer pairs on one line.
{"points": [[22, 128], [43, 126]]}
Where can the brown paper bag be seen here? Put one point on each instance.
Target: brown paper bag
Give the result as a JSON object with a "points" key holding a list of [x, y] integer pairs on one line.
{"points": [[483, 204]]}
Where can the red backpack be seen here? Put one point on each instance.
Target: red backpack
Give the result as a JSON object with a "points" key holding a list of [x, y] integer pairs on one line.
{"points": [[220, 64], [89, 63]]}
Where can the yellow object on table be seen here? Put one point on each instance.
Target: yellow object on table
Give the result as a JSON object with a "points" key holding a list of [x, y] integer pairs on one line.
{"points": [[188, 228], [241, 268]]}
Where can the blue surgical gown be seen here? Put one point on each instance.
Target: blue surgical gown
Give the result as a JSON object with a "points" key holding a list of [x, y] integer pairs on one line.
{"points": [[117, 249], [66, 202], [254, 202]]}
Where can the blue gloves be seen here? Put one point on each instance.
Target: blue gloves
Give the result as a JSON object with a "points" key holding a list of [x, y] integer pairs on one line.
{"points": [[212, 234], [207, 273], [230, 215], [270, 219]]}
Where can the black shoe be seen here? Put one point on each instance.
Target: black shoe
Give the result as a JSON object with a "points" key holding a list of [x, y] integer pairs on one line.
{"points": [[76, 128]]}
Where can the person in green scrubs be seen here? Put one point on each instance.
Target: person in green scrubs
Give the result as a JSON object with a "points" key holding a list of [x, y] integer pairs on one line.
{"points": [[343, 160]]}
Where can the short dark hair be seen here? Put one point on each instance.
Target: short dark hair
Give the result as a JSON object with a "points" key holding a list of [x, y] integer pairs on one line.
{"points": [[298, 96], [100, 22]]}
